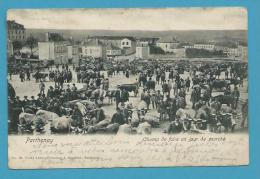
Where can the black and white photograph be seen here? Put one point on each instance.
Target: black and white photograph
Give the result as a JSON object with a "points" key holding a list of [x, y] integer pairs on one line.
{"points": [[127, 71]]}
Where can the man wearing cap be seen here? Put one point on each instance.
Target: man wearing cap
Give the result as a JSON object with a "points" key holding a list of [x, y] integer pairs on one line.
{"points": [[50, 92], [76, 117], [118, 117], [33, 101], [235, 95], [118, 96], [26, 101], [42, 87], [153, 99], [74, 88]]}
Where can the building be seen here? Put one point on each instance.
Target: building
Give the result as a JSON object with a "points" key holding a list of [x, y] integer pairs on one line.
{"points": [[142, 50], [125, 43], [93, 48], [243, 52], [209, 47], [232, 52], [73, 53], [179, 52], [10, 49], [167, 44], [112, 51], [15, 31], [188, 46], [147, 41], [128, 45], [56, 51]]}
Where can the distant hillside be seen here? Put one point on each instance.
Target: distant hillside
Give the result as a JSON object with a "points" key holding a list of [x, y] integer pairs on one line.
{"points": [[182, 35]]}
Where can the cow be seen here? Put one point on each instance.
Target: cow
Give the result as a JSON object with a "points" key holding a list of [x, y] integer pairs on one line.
{"points": [[235, 81], [130, 88], [40, 76], [219, 84], [111, 94], [223, 99], [150, 85], [26, 123], [61, 125]]}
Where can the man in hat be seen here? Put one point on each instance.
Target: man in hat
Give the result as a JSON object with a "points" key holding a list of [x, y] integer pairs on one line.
{"points": [[147, 99], [42, 87], [235, 95], [18, 102], [33, 101], [118, 117], [74, 88], [76, 116], [117, 96], [28, 74], [187, 84], [153, 99], [143, 94], [26, 101], [50, 92]]}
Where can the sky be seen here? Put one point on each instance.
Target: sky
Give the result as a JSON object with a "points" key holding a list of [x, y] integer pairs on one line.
{"points": [[234, 18]]}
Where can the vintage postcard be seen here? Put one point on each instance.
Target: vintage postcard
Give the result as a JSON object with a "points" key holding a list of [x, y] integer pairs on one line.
{"points": [[94, 88]]}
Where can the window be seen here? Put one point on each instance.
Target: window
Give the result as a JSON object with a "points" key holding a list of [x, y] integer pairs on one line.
{"points": [[123, 43], [126, 43]]}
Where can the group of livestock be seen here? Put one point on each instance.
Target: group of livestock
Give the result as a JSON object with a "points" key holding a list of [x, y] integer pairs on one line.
{"points": [[84, 114]]}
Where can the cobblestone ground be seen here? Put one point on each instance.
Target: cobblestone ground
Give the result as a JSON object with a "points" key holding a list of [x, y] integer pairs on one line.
{"points": [[30, 88]]}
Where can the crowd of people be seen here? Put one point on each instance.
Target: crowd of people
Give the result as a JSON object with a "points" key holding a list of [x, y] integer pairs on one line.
{"points": [[163, 89]]}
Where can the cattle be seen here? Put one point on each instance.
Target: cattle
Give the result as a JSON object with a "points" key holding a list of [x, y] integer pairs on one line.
{"points": [[112, 128], [102, 124], [40, 75], [26, 123], [46, 116], [219, 84], [152, 120], [124, 129], [225, 119], [150, 85], [234, 81], [61, 125], [111, 93], [223, 99], [144, 128], [130, 88], [174, 127]]}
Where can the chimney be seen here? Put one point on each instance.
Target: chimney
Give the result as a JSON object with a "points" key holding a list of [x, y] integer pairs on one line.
{"points": [[47, 36]]}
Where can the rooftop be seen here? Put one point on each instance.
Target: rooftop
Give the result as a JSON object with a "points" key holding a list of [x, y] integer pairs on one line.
{"points": [[168, 40], [92, 42], [112, 37], [112, 47], [13, 25]]}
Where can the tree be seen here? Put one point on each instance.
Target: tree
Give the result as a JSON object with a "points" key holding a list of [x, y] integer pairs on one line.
{"points": [[31, 42], [17, 45]]}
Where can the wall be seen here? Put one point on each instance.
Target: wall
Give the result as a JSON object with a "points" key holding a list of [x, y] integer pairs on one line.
{"points": [[93, 51], [46, 50], [142, 52]]}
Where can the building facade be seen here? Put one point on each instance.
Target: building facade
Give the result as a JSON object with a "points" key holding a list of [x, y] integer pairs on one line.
{"points": [[167, 44], [93, 48], [209, 47], [112, 51], [243, 52], [54, 51], [73, 53], [10, 49], [15, 31]]}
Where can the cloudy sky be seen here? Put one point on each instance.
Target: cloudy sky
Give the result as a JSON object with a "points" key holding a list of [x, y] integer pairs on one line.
{"points": [[133, 19]]}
